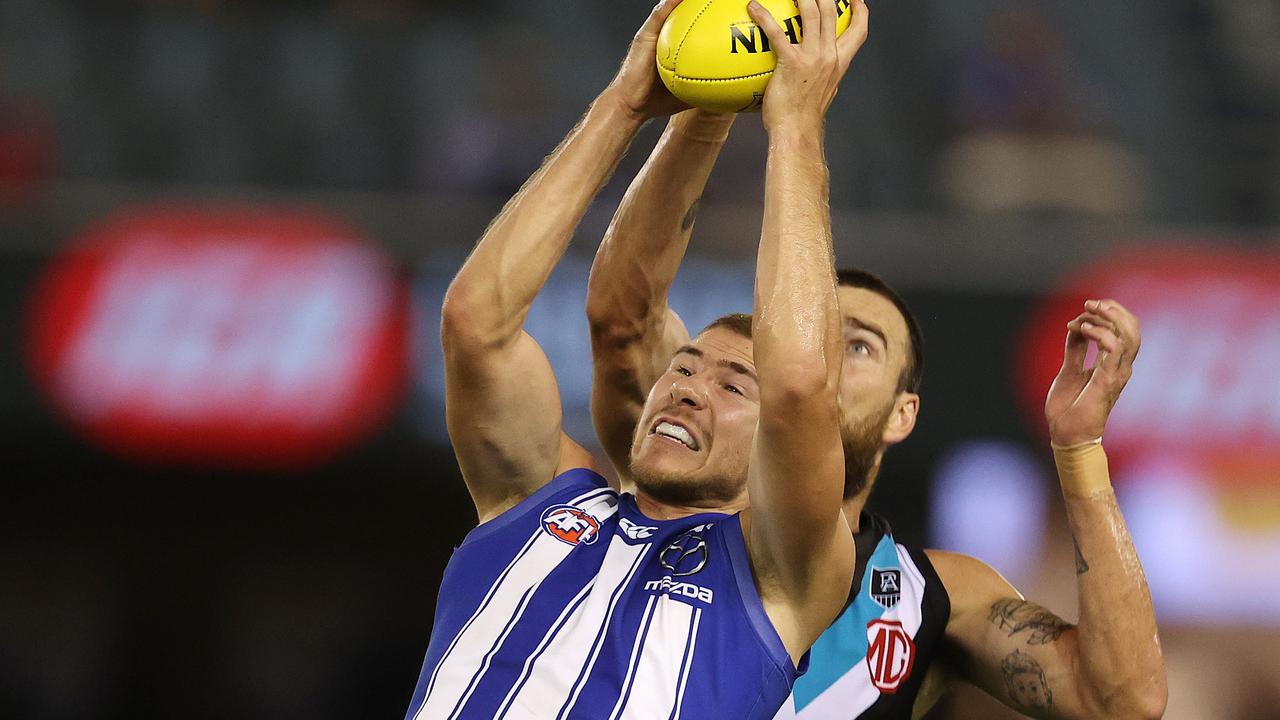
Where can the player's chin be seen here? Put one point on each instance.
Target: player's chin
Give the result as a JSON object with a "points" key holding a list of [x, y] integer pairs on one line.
{"points": [[668, 482], [659, 460]]}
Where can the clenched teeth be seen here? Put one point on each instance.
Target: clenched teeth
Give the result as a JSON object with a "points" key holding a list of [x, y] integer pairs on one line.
{"points": [[677, 433]]}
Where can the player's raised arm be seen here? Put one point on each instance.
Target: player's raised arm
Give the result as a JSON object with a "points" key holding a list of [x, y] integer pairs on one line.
{"points": [[801, 547], [1110, 664], [633, 331], [502, 404]]}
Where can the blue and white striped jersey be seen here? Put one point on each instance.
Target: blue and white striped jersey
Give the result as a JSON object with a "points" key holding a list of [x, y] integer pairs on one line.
{"points": [[574, 605], [870, 663]]}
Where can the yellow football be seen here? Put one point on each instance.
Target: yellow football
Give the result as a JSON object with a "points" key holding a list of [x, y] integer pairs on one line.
{"points": [[711, 55]]}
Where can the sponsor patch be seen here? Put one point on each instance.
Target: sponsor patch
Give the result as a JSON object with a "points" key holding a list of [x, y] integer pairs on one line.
{"points": [[687, 554], [890, 654], [886, 586], [569, 524], [634, 531], [668, 586]]}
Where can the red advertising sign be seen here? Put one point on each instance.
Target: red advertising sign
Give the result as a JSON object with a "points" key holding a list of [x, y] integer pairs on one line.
{"points": [[233, 337], [1207, 380]]}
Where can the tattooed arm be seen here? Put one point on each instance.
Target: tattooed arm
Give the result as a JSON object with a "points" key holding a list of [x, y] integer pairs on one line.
{"points": [[1034, 661], [1109, 665]]}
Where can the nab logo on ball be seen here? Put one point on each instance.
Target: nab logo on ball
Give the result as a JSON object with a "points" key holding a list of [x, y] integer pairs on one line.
{"points": [[890, 654], [712, 55], [571, 525]]}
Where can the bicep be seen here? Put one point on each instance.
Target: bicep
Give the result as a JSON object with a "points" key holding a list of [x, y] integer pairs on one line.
{"points": [[502, 406], [1017, 651]]}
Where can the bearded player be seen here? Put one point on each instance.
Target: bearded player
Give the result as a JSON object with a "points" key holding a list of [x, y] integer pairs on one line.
{"points": [[570, 600], [916, 620]]}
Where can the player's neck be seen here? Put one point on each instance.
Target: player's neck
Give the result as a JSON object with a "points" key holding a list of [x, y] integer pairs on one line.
{"points": [[853, 506], [659, 510]]}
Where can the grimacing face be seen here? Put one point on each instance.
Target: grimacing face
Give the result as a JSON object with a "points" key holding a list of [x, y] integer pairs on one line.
{"points": [[694, 437], [876, 349]]}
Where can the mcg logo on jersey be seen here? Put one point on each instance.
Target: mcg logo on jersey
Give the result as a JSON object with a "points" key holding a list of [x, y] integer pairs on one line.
{"points": [[890, 654], [569, 524]]}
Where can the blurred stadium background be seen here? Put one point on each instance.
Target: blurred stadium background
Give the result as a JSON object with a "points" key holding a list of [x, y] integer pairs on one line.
{"points": [[226, 228]]}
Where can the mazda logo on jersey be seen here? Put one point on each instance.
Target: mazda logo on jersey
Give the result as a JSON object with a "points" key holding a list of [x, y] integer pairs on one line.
{"points": [[571, 525], [687, 554], [890, 654], [886, 586]]}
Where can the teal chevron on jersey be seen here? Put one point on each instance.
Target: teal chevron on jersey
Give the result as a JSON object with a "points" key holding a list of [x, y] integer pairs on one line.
{"points": [[844, 644]]}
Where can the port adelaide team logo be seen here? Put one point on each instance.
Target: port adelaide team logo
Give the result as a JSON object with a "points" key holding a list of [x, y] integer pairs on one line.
{"points": [[570, 524], [886, 586]]}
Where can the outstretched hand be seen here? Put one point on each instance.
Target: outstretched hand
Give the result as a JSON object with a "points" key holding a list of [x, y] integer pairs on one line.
{"points": [[808, 73], [637, 87], [1081, 398]]}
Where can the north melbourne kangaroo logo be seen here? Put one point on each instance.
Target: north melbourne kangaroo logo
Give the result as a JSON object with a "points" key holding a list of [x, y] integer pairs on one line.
{"points": [[886, 586], [687, 554], [569, 524]]}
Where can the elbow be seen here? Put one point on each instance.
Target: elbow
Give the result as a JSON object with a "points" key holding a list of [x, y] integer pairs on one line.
{"points": [[1137, 700], [606, 324], [610, 321], [601, 310], [617, 326], [467, 320], [1154, 699], [456, 312], [797, 385]]}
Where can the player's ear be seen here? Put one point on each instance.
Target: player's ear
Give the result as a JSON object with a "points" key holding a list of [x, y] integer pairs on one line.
{"points": [[903, 418]]}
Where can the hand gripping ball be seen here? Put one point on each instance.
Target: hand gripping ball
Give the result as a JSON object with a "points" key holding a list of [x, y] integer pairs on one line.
{"points": [[711, 55]]}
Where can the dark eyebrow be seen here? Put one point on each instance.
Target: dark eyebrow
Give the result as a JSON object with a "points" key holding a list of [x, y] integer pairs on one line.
{"points": [[740, 369], [731, 364], [868, 326]]}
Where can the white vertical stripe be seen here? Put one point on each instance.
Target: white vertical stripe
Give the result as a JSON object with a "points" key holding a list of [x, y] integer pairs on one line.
{"points": [[598, 644], [555, 628], [910, 614], [688, 663], [435, 674], [632, 663], [488, 658], [657, 678], [498, 582], [466, 657], [554, 674]]}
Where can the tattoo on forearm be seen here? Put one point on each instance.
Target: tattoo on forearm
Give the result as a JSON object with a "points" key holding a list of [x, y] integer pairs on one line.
{"points": [[689, 217], [1014, 616], [1024, 679], [1082, 567]]}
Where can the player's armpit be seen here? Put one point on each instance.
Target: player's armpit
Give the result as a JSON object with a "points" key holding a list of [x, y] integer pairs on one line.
{"points": [[1017, 651]]}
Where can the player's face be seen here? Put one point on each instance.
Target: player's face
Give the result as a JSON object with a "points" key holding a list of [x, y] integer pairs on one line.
{"points": [[876, 349], [694, 437]]}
